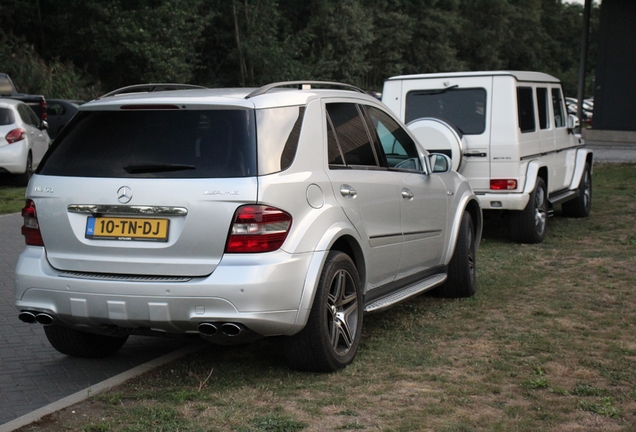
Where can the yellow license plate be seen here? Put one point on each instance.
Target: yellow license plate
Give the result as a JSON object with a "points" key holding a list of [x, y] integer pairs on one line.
{"points": [[117, 228]]}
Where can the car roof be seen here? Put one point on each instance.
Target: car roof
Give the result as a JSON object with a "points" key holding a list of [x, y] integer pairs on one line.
{"points": [[273, 95], [529, 76], [9, 102]]}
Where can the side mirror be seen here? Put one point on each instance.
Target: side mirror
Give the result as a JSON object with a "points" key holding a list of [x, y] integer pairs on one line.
{"points": [[440, 163], [44, 125], [573, 122]]}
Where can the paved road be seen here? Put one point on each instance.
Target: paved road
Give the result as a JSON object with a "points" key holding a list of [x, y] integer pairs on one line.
{"points": [[32, 373], [613, 152]]}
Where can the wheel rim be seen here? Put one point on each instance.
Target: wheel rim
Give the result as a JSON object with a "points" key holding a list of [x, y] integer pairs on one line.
{"points": [[342, 312], [540, 213]]}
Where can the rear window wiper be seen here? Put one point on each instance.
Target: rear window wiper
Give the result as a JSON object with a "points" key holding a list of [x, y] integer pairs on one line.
{"points": [[152, 168]]}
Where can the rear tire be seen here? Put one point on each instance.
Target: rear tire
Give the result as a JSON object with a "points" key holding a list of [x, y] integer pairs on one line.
{"points": [[581, 205], [330, 339], [23, 179], [76, 343], [530, 224], [462, 269]]}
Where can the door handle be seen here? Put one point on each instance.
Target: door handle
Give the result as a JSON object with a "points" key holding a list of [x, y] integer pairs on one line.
{"points": [[475, 154], [407, 194], [348, 191]]}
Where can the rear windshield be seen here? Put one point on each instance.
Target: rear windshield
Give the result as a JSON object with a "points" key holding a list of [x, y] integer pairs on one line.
{"points": [[463, 108], [6, 117], [156, 143]]}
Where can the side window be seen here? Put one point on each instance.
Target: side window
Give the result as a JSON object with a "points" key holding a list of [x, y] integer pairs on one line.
{"points": [[542, 105], [525, 109], [24, 114], [557, 106], [278, 136], [396, 143], [349, 135]]}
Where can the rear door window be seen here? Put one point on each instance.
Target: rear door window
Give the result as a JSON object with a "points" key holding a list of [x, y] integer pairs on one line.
{"points": [[348, 140], [463, 108], [543, 107], [156, 143], [525, 109], [557, 106]]}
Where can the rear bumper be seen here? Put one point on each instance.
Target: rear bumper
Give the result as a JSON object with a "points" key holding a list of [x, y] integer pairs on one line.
{"points": [[261, 291], [516, 201]]}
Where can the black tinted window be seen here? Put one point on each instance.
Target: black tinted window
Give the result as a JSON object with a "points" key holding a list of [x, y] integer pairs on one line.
{"points": [[156, 143], [351, 134], [525, 109], [463, 108], [6, 117], [557, 104], [542, 105]]}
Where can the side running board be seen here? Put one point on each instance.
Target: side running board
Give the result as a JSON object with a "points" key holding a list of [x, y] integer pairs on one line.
{"points": [[406, 292]]}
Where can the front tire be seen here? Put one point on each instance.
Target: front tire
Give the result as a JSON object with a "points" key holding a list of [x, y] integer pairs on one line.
{"points": [[75, 343], [330, 339], [530, 224], [462, 269], [581, 205]]}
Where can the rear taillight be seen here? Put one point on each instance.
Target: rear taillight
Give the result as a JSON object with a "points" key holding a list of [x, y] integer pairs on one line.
{"points": [[258, 228], [31, 228], [15, 135], [44, 115], [503, 184]]}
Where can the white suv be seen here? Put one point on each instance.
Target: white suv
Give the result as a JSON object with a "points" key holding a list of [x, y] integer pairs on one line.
{"points": [[236, 214], [508, 133]]}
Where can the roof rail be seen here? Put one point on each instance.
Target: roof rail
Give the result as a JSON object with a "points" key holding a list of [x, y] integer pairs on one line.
{"points": [[149, 88], [303, 85]]}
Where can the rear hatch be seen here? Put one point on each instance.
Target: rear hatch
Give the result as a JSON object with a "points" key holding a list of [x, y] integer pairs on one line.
{"points": [[145, 189]]}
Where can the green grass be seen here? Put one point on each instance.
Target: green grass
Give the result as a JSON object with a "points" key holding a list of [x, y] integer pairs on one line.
{"points": [[11, 198], [547, 344]]}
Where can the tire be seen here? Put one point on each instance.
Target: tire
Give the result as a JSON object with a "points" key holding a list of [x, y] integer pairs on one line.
{"points": [[75, 343], [530, 224], [462, 269], [330, 339], [581, 205], [23, 179]]}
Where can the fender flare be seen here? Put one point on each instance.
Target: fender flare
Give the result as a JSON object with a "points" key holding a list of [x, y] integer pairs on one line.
{"points": [[582, 156], [532, 172], [470, 203], [329, 238]]}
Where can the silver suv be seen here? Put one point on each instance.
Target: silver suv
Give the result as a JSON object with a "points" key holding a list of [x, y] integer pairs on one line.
{"points": [[289, 210]]}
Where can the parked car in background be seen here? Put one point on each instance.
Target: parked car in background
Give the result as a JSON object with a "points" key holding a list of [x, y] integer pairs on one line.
{"points": [[23, 139], [36, 102], [587, 109], [59, 112], [233, 214], [509, 134]]}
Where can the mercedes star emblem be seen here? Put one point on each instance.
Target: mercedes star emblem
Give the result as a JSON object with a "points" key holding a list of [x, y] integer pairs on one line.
{"points": [[124, 194]]}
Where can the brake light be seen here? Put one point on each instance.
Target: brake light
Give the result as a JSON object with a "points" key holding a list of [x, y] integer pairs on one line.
{"points": [[15, 135], [503, 184], [31, 228], [258, 228], [44, 115]]}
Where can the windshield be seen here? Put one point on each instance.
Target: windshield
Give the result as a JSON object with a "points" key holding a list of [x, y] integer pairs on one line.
{"points": [[463, 108], [156, 143]]}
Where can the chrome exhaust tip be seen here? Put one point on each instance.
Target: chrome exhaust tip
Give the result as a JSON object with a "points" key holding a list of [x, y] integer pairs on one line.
{"points": [[231, 329], [44, 319], [27, 317], [207, 329]]}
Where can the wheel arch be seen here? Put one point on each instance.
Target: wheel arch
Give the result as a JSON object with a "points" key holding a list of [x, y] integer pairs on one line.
{"points": [[583, 157], [340, 237], [471, 205]]}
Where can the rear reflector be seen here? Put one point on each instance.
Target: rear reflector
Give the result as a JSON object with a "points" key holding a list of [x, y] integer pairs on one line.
{"points": [[257, 228], [31, 228], [503, 184]]}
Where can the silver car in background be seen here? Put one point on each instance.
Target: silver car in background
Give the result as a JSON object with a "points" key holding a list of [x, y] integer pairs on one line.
{"points": [[234, 214]]}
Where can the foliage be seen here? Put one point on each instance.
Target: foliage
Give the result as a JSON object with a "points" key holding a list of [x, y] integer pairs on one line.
{"points": [[253, 42]]}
